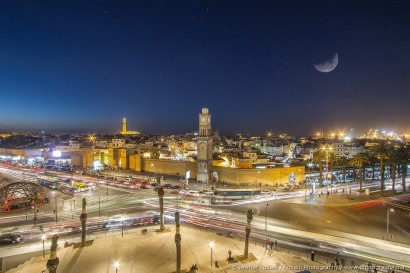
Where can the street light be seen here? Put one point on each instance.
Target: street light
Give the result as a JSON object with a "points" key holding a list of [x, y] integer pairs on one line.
{"points": [[116, 265], [43, 237], [211, 245], [388, 221], [327, 148], [266, 226]]}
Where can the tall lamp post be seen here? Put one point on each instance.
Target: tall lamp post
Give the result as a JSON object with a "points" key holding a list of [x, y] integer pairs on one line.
{"points": [[211, 245], [116, 265], [266, 225], [388, 221], [327, 148]]}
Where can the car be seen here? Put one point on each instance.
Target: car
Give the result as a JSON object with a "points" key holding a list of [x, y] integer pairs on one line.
{"points": [[192, 193], [9, 239], [265, 192]]}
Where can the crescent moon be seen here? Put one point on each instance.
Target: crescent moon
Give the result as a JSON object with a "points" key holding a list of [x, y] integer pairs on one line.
{"points": [[329, 65]]}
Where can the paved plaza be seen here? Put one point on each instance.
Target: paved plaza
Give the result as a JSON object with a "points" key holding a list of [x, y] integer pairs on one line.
{"points": [[155, 252]]}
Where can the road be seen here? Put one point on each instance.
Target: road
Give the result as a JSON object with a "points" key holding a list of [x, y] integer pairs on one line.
{"points": [[290, 219]]}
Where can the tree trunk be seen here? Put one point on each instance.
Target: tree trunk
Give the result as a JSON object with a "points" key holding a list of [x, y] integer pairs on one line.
{"points": [[373, 170], [178, 245], [344, 174], [403, 176], [381, 177], [247, 232], [331, 173], [53, 261], [361, 178], [83, 219], [320, 173], [354, 174], [393, 177], [161, 207]]}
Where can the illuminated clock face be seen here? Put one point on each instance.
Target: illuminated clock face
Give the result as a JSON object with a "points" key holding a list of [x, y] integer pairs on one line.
{"points": [[203, 119]]}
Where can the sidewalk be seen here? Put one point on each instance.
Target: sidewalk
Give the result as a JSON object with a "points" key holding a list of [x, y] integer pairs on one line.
{"points": [[155, 253], [332, 200]]}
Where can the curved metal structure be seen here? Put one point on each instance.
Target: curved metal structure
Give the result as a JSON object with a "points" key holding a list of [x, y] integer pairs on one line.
{"points": [[21, 195]]}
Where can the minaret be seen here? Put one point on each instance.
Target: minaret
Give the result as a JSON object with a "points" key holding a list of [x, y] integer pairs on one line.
{"points": [[204, 149], [124, 126]]}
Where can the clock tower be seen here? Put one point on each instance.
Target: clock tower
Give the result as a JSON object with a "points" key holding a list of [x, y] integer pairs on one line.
{"points": [[204, 147]]}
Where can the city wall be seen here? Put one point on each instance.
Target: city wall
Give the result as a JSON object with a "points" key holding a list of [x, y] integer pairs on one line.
{"points": [[161, 166], [260, 176], [280, 176]]}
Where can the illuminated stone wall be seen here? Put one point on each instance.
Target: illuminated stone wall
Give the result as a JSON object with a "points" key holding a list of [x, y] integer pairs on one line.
{"points": [[256, 176], [160, 166], [230, 175]]}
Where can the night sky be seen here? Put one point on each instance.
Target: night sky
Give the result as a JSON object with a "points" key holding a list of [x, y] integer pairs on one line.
{"points": [[81, 66]]}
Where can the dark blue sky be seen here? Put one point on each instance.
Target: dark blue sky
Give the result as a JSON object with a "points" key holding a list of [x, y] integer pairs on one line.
{"points": [[84, 65]]}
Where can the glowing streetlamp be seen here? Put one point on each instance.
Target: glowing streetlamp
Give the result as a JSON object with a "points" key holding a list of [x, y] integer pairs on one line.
{"points": [[211, 245], [116, 265], [43, 237]]}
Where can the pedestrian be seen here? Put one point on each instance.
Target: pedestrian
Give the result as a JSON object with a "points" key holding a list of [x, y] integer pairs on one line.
{"points": [[369, 267], [272, 245], [337, 260], [312, 256], [268, 244], [375, 269], [276, 245]]}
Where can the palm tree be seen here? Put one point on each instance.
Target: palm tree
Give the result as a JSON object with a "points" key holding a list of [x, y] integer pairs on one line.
{"points": [[343, 161], [392, 162], [161, 193], [178, 242], [403, 155], [358, 161], [373, 161], [382, 151], [318, 158], [53, 262], [247, 232], [332, 162]]}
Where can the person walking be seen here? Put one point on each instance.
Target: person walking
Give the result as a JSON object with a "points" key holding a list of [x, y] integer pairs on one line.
{"points": [[276, 245], [369, 267], [337, 259], [268, 244]]}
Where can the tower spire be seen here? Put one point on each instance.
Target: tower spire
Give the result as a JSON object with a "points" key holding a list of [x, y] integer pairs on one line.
{"points": [[124, 126]]}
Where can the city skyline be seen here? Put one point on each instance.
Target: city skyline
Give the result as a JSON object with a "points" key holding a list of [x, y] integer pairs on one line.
{"points": [[259, 67]]}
